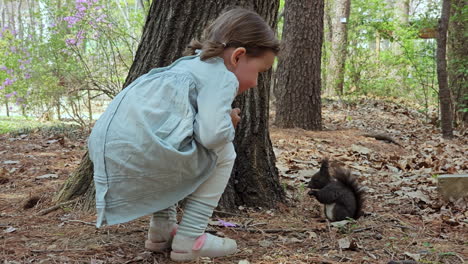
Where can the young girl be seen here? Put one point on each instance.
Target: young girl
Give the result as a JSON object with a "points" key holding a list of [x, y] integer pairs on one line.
{"points": [[168, 136]]}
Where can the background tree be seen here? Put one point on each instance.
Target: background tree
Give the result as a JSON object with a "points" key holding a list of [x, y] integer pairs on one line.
{"points": [[457, 59], [445, 97], [338, 19], [170, 25], [298, 88]]}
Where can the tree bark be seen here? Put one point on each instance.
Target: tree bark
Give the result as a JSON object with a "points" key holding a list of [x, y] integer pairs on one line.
{"points": [[402, 8], [457, 60], [298, 89], [445, 97], [170, 25], [335, 69]]}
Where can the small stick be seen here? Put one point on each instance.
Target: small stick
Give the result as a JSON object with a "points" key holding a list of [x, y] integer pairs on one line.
{"points": [[79, 221], [258, 230], [56, 250], [361, 229], [228, 213], [55, 207]]}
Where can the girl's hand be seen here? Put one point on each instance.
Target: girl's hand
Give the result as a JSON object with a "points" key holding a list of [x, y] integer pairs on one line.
{"points": [[235, 118]]}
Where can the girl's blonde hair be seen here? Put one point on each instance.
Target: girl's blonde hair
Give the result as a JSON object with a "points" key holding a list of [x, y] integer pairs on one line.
{"points": [[237, 27]]}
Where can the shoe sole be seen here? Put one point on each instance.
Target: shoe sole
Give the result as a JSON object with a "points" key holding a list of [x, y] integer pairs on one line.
{"points": [[158, 246]]}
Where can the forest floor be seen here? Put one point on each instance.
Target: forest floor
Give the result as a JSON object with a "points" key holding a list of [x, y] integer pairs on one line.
{"points": [[404, 217]]}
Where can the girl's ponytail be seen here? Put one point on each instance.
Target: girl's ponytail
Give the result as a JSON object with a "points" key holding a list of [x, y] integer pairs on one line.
{"points": [[237, 27], [192, 47]]}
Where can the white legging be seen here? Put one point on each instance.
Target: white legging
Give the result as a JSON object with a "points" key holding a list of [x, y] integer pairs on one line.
{"points": [[201, 203]]}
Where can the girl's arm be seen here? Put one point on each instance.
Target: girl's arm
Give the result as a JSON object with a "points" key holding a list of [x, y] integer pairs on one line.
{"points": [[213, 126]]}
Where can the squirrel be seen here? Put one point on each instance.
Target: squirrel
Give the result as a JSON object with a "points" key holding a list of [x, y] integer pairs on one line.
{"points": [[341, 194]]}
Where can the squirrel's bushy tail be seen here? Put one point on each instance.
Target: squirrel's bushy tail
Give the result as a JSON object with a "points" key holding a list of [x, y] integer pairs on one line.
{"points": [[345, 177]]}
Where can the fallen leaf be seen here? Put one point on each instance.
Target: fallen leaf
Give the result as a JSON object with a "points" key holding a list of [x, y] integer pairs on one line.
{"points": [[10, 162], [47, 176], [10, 229], [360, 149], [344, 243], [265, 243], [416, 257]]}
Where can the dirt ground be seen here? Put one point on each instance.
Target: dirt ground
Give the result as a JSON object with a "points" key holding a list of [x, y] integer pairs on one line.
{"points": [[404, 217]]}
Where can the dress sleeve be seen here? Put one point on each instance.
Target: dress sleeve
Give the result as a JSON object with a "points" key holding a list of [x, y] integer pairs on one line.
{"points": [[213, 126]]}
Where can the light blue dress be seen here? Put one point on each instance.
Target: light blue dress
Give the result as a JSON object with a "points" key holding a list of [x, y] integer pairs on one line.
{"points": [[153, 146]]}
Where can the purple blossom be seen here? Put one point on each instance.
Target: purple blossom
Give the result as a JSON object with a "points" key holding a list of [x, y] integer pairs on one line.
{"points": [[101, 18], [27, 76], [3, 67], [226, 224], [71, 20], [13, 49], [11, 107], [21, 67], [10, 71], [8, 95], [79, 35], [8, 81], [81, 8], [2, 87], [70, 42]]}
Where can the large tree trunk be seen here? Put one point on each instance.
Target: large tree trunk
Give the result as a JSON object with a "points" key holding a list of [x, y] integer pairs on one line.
{"points": [[457, 60], [298, 89], [445, 97], [335, 69], [170, 25]]}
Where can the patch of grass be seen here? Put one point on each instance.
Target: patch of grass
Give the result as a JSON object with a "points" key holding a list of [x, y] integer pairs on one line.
{"points": [[26, 125], [13, 124]]}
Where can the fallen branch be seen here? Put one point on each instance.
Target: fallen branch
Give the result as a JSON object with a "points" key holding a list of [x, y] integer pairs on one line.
{"points": [[252, 230], [55, 207], [79, 221], [228, 213], [56, 250], [384, 137]]}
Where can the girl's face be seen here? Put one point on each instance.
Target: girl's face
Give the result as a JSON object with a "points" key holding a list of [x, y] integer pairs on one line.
{"points": [[247, 68]]}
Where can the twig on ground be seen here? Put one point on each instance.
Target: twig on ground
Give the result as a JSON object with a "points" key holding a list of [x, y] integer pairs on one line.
{"points": [[361, 229], [258, 230], [55, 207], [228, 213], [79, 221], [56, 250]]}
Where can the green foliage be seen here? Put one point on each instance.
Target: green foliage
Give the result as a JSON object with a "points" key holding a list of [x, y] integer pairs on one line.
{"points": [[386, 58], [83, 45]]}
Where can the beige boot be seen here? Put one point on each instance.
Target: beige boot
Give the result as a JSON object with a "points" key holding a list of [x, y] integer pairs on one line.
{"points": [[160, 236], [206, 245]]}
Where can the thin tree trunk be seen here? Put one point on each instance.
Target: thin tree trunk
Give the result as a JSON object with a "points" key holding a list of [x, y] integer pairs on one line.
{"points": [[7, 107], [458, 61], [170, 25], [327, 40], [20, 21], [402, 16], [298, 89], [335, 69], [445, 97]]}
